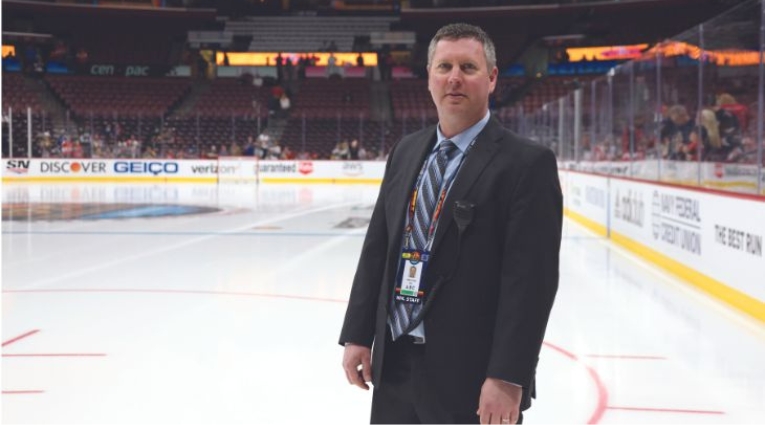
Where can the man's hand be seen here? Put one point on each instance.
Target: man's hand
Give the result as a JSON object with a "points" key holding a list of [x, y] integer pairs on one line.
{"points": [[500, 402], [358, 355]]}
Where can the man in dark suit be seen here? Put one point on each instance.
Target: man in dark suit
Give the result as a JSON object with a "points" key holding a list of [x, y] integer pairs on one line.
{"points": [[459, 268]]}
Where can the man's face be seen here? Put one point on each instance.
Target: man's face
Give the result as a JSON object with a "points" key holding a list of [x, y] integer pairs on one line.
{"points": [[459, 80]]}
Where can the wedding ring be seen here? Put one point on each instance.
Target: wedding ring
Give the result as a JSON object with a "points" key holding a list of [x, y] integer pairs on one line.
{"points": [[505, 420]]}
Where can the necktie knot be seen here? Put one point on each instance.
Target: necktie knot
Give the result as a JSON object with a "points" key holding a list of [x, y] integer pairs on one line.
{"points": [[447, 148], [446, 151]]}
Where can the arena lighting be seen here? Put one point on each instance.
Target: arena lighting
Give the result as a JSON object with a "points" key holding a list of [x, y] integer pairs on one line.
{"points": [[8, 50], [269, 59], [668, 49], [719, 57], [606, 53]]}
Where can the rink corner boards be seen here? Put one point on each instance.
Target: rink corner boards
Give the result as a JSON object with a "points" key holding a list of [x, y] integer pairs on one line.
{"points": [[710, 239]]}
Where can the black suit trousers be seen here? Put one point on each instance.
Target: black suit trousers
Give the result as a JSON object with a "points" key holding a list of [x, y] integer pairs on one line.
{"points": [[402, 396]]}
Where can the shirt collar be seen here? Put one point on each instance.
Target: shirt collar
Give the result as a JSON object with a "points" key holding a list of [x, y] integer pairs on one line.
{"points": [[463, 140]]}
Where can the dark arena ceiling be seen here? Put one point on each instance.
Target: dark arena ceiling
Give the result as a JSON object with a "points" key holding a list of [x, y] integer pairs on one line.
{"points": [[514, 28]]}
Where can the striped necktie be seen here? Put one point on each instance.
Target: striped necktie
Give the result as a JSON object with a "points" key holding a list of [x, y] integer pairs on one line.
{"points": [[427, 199]]}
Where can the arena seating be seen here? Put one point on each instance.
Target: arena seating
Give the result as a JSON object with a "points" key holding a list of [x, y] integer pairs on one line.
{"points": [[330, 97], [109, 96], [17, 95], [198, 134], [411, 99], [226, 97]]}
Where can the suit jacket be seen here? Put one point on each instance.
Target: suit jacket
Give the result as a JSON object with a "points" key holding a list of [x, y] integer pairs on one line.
{"points": [[489, 320]]}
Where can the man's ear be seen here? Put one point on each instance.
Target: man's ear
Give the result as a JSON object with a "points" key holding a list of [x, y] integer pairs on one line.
{"points": [[493, 74]]}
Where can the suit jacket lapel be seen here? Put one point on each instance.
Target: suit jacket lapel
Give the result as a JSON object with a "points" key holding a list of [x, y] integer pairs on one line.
{"points": [[479, 156], [415, 155]]}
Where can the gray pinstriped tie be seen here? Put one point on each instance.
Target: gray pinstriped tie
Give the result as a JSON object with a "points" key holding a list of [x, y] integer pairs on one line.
{"points": [[429, 192]]}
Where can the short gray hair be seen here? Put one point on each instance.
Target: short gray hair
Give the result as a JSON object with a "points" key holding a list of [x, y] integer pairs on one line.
{"points": [[459, 31]]}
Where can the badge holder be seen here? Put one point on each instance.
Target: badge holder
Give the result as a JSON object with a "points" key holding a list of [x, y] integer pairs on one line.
{"points": [[410, 286]]}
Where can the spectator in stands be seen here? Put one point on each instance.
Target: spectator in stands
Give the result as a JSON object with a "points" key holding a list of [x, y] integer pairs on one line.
{"points": [[116, 130], [731, 115], [263, 145], [77, 150], [279, 67], [360, 60], [748, 152], [223, 150], [708, 133], [257, 80], [302, 64], [642, 143], [289, 69], [212, 152], [134, 145], [149, 152], [274, 102], [67, 148], [341, 151], [372, 154], [234, 149], [732, 118], [288, 154], [277, 90], [120, 150], [38, 67], [354, 150], [610, 148], [108, 131], [586, 148], [274, 151], [332, 68], [284, 105], [676, 135], [46, 144], [249, 147], [98, 144]]}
